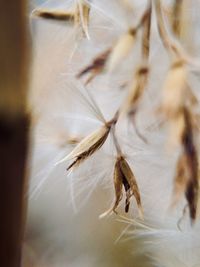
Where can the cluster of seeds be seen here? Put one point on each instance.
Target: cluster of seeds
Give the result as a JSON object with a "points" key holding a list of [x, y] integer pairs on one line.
{"points": [[177, 105]]}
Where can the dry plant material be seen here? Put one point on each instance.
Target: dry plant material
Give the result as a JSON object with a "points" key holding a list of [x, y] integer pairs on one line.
{"points": [[169, 45], [186, 179], [121, 49], [124, 177], [174, 89], [146, 33], [136, 91], [177, 17], [89, 145], [111, 58], [96, 67], [177, 100], [131, 103], [126, 42], [176, 95], [54, 15], [79, 16]]}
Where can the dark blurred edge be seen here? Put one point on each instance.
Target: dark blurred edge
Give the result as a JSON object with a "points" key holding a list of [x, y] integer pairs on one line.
{"points": [[14, 127]]}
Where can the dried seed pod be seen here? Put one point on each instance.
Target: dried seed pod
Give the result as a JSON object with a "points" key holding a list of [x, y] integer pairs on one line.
{"points": [[124, 177], [54, 15], [130, 179], [174, 89], [96, 67], [121, 49]]}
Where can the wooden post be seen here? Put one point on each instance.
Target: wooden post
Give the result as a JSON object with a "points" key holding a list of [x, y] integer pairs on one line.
{"points": [[14, 126]]}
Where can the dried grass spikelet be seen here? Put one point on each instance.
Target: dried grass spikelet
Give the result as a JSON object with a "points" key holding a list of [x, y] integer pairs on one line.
{"points": [[81, 16], [186, 178], [54, 15], [124, 177], [96, 67], [174, 89], [121, 49], [136, 91], [89, 145], [131, 103]]}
